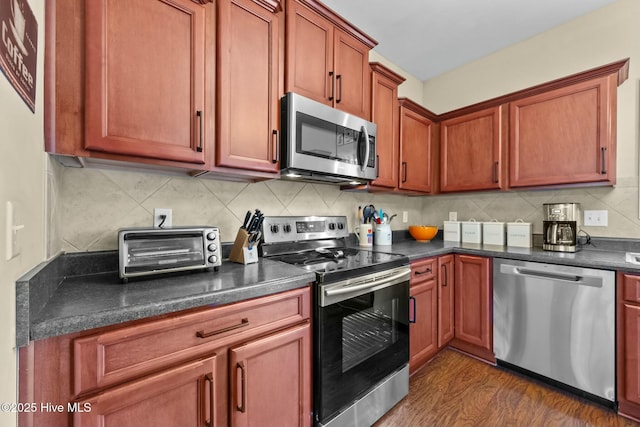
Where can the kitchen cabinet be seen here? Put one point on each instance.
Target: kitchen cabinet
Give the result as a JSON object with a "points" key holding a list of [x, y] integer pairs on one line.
{"points": [[564, 136], [628, 339], [423, 331], [473, 301], [145, 79], [249, 76], [431, 290], [446, 284], [184, 395], [418, 154], [471, 150], [384, 113], [327, 58], [180, 368], [270, 381]]}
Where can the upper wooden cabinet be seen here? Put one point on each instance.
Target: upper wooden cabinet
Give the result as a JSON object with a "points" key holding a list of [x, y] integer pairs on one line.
{"points": [[471, 151], [384, 113], [564, 136], [418, 131], [250, 73], [145, 79], [327, 58]]}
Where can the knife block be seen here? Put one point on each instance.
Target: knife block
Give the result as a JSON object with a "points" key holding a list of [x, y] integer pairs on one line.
{"points": [[241, 252]]}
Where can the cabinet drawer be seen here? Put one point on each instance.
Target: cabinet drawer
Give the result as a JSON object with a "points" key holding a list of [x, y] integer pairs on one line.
{"points": [[121, 354], [630, 287], [423, 270]]}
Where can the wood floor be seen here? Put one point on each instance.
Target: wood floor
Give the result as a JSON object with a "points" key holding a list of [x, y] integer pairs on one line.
{"points": [[456, 390]]}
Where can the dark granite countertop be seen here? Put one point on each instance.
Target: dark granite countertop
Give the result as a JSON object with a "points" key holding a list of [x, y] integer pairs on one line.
{"points": [[81, 291], [70, 293]]}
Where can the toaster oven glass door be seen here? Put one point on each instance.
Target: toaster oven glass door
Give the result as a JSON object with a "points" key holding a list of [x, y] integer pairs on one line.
{"points": [[155, 252]]}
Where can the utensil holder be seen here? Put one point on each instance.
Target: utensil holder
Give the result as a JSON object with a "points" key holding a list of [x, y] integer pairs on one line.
{"points": [[242, 252]]}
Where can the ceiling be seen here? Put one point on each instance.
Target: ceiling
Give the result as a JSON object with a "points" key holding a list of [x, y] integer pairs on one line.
{"points": [[430, 37]]}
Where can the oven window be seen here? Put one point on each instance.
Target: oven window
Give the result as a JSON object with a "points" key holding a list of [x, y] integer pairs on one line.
{"points": [[368, 330]]}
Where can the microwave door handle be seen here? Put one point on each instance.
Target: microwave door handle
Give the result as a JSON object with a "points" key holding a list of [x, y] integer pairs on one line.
{"points": [[366, 150]]}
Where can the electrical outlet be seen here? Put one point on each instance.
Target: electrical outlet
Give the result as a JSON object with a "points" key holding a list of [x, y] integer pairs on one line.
{"points": [[159, 221], [596, 218], [453, 216], [405, 217]]}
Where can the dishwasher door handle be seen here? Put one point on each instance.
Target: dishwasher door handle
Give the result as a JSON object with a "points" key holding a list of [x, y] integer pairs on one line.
{"points": [[594, 281]]}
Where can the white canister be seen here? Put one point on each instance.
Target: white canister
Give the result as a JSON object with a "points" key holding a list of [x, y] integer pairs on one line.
{"points": [[382, 235], [471, 231], [493, 233], [365, 235], [519, 234], [452, 231]]}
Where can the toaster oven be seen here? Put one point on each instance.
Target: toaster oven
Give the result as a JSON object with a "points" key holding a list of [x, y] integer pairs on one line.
{"points": [[150, 251]]}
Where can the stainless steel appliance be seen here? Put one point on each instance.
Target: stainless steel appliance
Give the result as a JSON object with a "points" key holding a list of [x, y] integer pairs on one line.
{"points": [[560, 226], [320, 143], [361, 318], [557, 322], [149, 251]]}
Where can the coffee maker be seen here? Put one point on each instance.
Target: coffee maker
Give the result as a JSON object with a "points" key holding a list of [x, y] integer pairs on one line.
{"points": [[560, 226]]}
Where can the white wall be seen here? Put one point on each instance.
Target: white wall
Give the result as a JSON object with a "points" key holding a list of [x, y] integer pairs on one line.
{"points": [[23, 174]]}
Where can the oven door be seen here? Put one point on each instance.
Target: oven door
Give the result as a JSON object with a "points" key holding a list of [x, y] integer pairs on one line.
{"points": [[362, 337]]}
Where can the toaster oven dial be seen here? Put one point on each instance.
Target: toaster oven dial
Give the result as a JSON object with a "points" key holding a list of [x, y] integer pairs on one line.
{"points": [[213, 259], [211, 236], [212, 247]]}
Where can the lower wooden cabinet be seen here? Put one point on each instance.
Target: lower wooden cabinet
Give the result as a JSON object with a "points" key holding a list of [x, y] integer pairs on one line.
{"points": [[431, 309], [184, 395], [628, 330], [473, 299], [241, 364], [270, 381]]}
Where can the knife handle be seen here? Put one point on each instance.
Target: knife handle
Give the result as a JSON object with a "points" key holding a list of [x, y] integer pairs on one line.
{"points": [[245, 224]]}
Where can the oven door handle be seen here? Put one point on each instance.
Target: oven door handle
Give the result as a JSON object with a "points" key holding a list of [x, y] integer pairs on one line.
{"points": [[374, 284]]}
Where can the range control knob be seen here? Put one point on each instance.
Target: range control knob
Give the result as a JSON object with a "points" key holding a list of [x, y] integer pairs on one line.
{"points": [[211, 236], [340, 226], [286, 228], [213, 259], [212, 247], [275, 229], [332, 226]]}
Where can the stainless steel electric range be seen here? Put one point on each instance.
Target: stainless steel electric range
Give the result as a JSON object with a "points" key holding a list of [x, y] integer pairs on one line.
{"points": [[361, 317]]}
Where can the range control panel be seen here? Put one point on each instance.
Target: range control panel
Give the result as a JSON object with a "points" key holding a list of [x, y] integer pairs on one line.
{"points": [[280, 229]]}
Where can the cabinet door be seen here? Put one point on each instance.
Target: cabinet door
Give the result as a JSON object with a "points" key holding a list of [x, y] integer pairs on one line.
{"points": [[564, 136], [470, 151], [180, 396], [384, 113], [271, 380], [423, 331], [446, 284], [309, 40], [415, 151], [145, 67], [352, 77], [473, 302], [249, 90], [631, 338]]}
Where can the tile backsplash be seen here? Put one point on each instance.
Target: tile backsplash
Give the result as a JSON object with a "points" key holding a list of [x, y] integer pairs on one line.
{"points": [[87, 206]]}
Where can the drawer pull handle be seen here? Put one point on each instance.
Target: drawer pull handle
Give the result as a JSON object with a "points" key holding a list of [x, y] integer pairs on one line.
{"points": [[202, 334], [209, 378], [241, 407], [427, 270]]}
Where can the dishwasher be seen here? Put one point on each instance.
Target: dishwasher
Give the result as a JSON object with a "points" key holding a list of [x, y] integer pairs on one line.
{"points": [[557, 324]]}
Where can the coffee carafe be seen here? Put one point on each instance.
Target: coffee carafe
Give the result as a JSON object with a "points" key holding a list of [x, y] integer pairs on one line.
{"points": [[560, 226]]}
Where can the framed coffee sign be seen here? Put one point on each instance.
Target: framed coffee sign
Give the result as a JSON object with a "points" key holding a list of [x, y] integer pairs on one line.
{"points": [[19, 47]]}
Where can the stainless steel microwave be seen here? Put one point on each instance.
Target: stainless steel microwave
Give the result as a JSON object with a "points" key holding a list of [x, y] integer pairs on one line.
{"points": [[151, 251], [320, 143]]}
